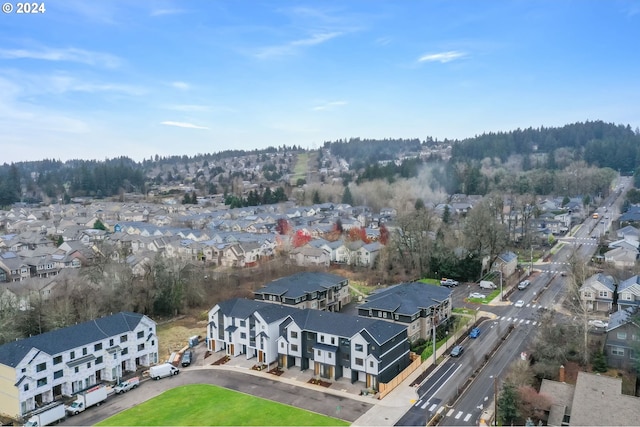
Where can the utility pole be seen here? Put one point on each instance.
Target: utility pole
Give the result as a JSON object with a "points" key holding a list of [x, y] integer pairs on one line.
{"points": [[433, 325]]}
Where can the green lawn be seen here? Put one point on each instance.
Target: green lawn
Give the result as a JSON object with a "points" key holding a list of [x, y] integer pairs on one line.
{"points": [[209, 405], [300, 169]]}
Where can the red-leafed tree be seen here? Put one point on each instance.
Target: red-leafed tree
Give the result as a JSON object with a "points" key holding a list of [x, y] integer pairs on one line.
{"points": [[300, 238], [532, 404], [357, 233], [384, 234], [282, 226]]}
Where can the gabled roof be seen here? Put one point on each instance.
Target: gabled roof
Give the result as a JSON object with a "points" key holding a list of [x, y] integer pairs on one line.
{"points": [[345, 325], [407, 298], [621, 317], [60, 340], [300, 284], [632, 284], [507, 256], [599, 280], [242, 308]]}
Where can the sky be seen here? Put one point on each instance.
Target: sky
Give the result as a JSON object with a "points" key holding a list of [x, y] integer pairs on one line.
{"points": [[104, 78]]}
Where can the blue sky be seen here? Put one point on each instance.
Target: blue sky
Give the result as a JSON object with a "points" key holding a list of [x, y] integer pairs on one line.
{"points": [[99, 79]]}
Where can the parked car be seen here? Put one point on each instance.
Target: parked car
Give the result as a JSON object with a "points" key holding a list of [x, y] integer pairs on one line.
{"points": [[519, 303], [475, 333], [457, 351], [187, 357], [598, 323], [448, 282], [523, 285], [477, 295]]}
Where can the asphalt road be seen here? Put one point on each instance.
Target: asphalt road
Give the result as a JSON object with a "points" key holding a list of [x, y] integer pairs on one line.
{"points": [[300, 397]]}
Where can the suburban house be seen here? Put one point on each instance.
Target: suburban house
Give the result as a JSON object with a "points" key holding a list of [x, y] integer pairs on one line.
{"points": [[597, 292], [46, 367], [622, 344], [417, 306], [629, 233], [309, 256], [621, 257], [335, 345], [507, 262], [629, 293], [315, 290], [595, 400]]}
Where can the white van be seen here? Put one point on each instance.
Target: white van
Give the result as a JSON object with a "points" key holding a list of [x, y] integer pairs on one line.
{"points": [[485, 284], [164, 370]]}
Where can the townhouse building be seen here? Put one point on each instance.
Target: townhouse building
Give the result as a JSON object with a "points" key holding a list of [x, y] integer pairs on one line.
{"points": [[315, 290], [40, 369], [417, 306], [597, 293]]}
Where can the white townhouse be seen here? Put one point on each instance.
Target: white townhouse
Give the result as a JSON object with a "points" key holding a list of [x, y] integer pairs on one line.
{"points": [[37, 370], [242, 326]]}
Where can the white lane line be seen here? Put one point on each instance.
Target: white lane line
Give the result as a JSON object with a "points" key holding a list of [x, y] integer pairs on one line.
{"points": [[425, 405], [450, 412], [458, 415], [467, 418], [527, 322], [432, 407], [440, 409]]}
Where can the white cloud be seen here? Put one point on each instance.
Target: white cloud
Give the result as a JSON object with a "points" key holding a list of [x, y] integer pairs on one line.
{"points": [[442, 56], [163, 12], [181, 85], [183, 125], [69, 54], [189, 108], [329, 105], [293, 46]]}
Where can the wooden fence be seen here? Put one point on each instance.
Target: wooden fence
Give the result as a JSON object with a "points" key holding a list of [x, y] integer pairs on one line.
{"points": [[385, 388]]}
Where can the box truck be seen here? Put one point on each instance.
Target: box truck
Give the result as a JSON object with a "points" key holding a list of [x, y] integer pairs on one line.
{"points": [[47, 415], [94, 396], [485, 284], [164, 370], [127, 385]]}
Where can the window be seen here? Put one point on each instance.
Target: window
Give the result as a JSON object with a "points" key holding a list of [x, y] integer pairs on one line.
{"points": [[633, 354], [84, 351], [321, 338], [588, 294], [140, 347], [359, 347], [88, 365], [153, 342], [123, 338], [333, 340], [125, 351], [76, 370], [243, 335], [294, 347], [57, 360], [72, 355], [621, 335], [379, 314], [396, 317], [281, 345], [97, 347], [24, 370], [330, 355], [140, 334], [371, 363], [99, 360], [359, 361], [111, 342], [26, 387], [294, 334], [242, 323], [42, 381], [41, 367], [319, 352], [57, 374], [617, 351], [603, 294]]}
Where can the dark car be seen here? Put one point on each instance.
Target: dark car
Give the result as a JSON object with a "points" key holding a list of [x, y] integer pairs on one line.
{"points": [[187, 357], [457, 351], [475, 332]]}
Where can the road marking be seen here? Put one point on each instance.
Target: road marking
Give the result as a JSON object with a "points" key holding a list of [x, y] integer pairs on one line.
{"points": [[527, 322], [534, 323], [529, 305], [515, 319], [509, 319], [425, 405], [418, 402], [502, 318], [521, 320], [467, 418], [458, 415], [432, 407], [450, 412], [440, 409]]}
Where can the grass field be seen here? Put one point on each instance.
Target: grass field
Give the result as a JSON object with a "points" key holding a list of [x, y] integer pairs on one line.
{"points": [[300, 169], [209, 405]]}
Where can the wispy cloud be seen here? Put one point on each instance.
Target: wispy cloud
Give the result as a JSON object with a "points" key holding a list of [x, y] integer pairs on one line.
{"points": [[181, 85], [189, 108], [295, 45], [329, 105], [69, 55], [164, 12], [183, 125], [442, 56]]}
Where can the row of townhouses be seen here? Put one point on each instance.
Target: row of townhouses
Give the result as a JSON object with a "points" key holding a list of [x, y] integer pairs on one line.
{"points": [[40, 369]]}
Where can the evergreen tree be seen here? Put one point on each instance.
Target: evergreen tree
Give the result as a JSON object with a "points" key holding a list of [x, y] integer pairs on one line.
{"points": [[347, 198], [446, 215], [508, 404], [316, 197], [98, 225], [419, 204]]}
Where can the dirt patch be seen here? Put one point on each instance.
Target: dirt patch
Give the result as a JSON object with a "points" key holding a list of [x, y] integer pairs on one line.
{"points": [[276, 371], [222, 360], [173, 335], [319, 382]]}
